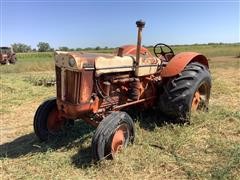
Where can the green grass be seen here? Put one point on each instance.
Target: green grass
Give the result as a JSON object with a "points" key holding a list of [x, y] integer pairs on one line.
{"points": [[32, 55], [211, 50], [207, 50], [209, 148], [17, 88], [29, 65]]}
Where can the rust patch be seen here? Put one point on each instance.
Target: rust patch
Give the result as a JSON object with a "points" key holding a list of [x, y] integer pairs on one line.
{"points": [[86, 86], [54, 123], [118, 139], [74, 111], [132, 50], [196, 100]]}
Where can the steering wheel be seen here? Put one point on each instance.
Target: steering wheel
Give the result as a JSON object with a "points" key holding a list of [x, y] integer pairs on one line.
{"points": [[161, 49]]}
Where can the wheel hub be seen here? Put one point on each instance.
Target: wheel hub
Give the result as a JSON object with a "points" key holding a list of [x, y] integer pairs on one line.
{"points": [[118, 139], [54, 123], [196, 100]]}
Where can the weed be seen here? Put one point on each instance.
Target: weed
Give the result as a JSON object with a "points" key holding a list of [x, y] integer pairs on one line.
{"points": [[41, 80]]}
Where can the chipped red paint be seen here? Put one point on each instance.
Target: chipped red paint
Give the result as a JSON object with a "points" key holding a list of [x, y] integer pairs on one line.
{"points": [[132, 49], [179, 62]]}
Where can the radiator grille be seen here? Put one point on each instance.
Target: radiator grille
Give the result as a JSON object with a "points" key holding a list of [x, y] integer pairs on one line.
{"points": [[70, 90], [58, 82]]}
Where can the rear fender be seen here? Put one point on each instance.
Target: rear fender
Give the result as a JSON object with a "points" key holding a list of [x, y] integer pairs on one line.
{"points": [[180, 61]]}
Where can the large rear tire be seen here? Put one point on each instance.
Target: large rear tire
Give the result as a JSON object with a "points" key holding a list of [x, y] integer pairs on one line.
{"points": [[46, 121], [113, 134], [187, 92]]}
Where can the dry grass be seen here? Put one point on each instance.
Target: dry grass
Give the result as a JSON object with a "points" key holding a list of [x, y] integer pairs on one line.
{"points": [[209, 148]]}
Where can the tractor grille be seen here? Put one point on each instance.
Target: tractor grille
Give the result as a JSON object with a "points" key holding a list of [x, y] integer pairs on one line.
{"points": [[68, 89], [58, 82]]}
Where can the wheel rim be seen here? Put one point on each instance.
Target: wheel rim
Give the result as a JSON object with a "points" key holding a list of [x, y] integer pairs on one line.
{"points": [[54, 124], [196, 100], [119, 139], [200, 98]]}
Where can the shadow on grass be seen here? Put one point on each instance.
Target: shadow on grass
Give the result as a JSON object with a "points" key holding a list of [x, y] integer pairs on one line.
{"points": [[29, 143], [151, 118], [83, 158], [74, 137]]}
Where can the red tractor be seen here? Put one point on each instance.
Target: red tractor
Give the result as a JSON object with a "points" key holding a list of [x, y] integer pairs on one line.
{"points": [[100, 88], [7, 56]]}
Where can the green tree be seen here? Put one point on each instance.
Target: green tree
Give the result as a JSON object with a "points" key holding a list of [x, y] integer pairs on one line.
{"points": [[43, 47], [20, 47], [63, 48], [97, 48], [78, 49], [88, 48]]}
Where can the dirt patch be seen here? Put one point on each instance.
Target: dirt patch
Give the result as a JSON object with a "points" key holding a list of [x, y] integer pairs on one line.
{"points": [[18, 122]]}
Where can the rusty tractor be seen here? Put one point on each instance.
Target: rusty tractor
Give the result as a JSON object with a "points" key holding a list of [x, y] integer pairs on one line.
{"points": [[101, 88], [7, 56]]}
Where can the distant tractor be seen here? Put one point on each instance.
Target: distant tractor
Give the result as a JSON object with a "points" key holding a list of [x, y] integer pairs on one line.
{"points": [[101, 88], [7, 56]]}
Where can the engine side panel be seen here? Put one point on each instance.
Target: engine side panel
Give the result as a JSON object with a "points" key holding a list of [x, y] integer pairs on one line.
{"points": [[147, 66], [113, 65], [147, 63]]}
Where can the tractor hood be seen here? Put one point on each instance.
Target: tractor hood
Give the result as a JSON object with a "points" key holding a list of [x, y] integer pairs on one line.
{"points": [[106, 63], [102, 63]]}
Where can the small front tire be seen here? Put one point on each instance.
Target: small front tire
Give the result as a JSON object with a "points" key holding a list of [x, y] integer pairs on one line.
{"points": [[46, 120], [113, 134]]}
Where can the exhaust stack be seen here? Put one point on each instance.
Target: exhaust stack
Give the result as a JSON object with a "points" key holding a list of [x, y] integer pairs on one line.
{"points": [[140, 24]]}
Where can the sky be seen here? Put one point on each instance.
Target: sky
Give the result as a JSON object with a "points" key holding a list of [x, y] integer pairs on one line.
{"points": [[111, 23]]}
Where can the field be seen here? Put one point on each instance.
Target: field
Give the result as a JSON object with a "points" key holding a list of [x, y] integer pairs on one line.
{"points": [[209, 148]]}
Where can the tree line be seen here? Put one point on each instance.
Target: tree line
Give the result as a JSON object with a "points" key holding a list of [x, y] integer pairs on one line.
{"points": [[41, 47], [45, 47]]}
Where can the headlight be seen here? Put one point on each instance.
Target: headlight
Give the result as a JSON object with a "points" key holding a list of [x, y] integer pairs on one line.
{"points": [[71, 62]]}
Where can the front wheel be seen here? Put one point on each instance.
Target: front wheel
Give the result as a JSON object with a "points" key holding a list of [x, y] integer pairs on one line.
{"points": [[46, 120], [187, 92], [113, 134]]}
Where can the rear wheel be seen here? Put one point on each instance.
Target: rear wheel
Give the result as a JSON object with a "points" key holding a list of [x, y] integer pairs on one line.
{"points": [[13, 60], [113, 134], [46, 120], [187, 92]]}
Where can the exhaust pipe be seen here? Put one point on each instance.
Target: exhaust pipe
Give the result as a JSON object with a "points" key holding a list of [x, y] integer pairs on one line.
{"points": [[140, 24]]}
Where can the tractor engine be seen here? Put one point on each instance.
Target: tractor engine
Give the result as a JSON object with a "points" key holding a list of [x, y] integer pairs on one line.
{"points": [[92, 84]]}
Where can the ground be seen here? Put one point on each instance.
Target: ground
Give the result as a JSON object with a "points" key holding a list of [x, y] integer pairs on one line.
{"points": [[209, 148]]}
